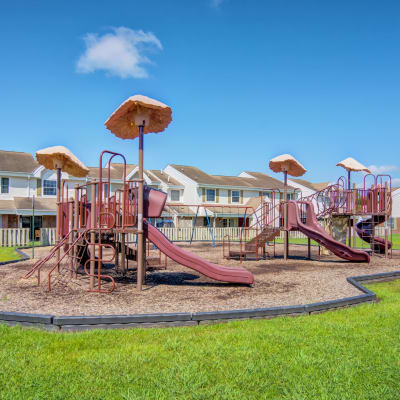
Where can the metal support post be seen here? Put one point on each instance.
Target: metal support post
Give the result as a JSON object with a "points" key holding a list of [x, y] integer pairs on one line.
{"points": [[92, 236], [140, 247], [76, 227]]}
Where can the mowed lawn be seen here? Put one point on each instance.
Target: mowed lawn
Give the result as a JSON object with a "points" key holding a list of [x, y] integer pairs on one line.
{"points": [[359, 243], [8, 254], [352, 353]]}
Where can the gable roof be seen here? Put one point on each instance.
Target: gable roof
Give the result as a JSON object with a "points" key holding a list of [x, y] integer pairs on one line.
{"points": [[44, 204], [116, 171], [162, 177], [258, 179], [321, 185], [25, 203], [7, 205], [119, 168], [15, 161], [254, 202], [313, 186], [267, 181], [194, 173]]}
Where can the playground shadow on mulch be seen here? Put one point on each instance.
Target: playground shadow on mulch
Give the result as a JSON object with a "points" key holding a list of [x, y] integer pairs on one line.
{"points": [[182, 279]]}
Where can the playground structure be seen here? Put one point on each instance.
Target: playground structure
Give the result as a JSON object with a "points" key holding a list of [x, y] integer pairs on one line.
{"points": [[363, 210], [94, 228], [99, 229]]}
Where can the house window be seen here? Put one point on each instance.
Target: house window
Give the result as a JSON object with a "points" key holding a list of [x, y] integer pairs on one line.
{"points": [[288, 196], [5, 185], [175, 195], [235, 196], [49, 188], [210, 195]]}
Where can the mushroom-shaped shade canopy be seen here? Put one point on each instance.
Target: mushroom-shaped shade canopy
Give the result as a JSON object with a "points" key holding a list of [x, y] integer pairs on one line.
{"points": [[350, 164], [60, 157], [126, 119], [288, 163]]}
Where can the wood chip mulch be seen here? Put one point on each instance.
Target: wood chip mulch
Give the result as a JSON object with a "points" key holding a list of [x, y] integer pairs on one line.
{"points": [[179, 289]]}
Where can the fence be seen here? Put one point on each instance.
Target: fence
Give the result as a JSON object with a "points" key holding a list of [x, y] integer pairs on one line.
{"points": [[204, 234], [11, 237], [48, 236], [20, 236]]}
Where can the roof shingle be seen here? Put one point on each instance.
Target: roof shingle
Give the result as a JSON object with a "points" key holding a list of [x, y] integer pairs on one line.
{"points": [[14, 161], [162, 177], [258, 179]]}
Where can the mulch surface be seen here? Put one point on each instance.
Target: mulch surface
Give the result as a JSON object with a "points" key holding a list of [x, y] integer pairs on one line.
{"points": [[179, 289]]}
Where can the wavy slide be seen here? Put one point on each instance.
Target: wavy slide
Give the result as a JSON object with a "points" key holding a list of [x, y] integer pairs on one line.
{"points": [[364, 231], [314, 230], [190, 260]]}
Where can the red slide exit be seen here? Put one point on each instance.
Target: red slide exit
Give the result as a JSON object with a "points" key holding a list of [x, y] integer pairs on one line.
{"points": [[314, 230], [193, 261]]}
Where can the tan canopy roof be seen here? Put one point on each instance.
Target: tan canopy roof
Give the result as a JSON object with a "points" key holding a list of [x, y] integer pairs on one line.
{"points": [[125, 120], [350, 164], [60, 157], [288, 163]]}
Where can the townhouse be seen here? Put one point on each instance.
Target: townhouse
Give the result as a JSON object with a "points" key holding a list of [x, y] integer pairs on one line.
{"points": [[226, 201], [307, 188], [28, 188], [22, 179], [194, 196]]}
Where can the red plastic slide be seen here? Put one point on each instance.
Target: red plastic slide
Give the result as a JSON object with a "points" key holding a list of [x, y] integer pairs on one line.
{"points": [[314, 230], [365, 228], [190, 260]]}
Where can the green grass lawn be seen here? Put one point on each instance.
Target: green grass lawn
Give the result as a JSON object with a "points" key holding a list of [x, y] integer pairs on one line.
{"points": [[359, 243], [8, 254], [352, 353]]}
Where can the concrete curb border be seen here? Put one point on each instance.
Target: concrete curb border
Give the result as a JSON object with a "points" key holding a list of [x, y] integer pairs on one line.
{"points": [[21, 253], [79, 323]]}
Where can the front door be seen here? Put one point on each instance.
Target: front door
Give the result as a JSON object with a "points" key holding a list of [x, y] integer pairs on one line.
{"points": [[26, 223]]}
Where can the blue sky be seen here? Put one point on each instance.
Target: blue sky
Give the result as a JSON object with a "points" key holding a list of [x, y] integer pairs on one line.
{"points": [[247, 80]]}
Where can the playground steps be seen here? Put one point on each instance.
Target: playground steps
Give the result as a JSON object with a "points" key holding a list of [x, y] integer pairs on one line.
{"points": [[130, 252], [252, 247], [266, 235]]}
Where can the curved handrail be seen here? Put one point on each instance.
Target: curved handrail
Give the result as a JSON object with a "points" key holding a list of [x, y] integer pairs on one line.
{"points": [[99, 277]]}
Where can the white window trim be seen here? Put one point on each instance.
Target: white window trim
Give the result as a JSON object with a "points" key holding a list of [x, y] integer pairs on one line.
{"points": [[179, 195], [215, 196], [237, 202], [1, 185], [48, 195]]}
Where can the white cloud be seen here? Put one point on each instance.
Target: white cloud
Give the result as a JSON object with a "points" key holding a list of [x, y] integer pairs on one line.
{"points": [[382, 169], [119, 53]]}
